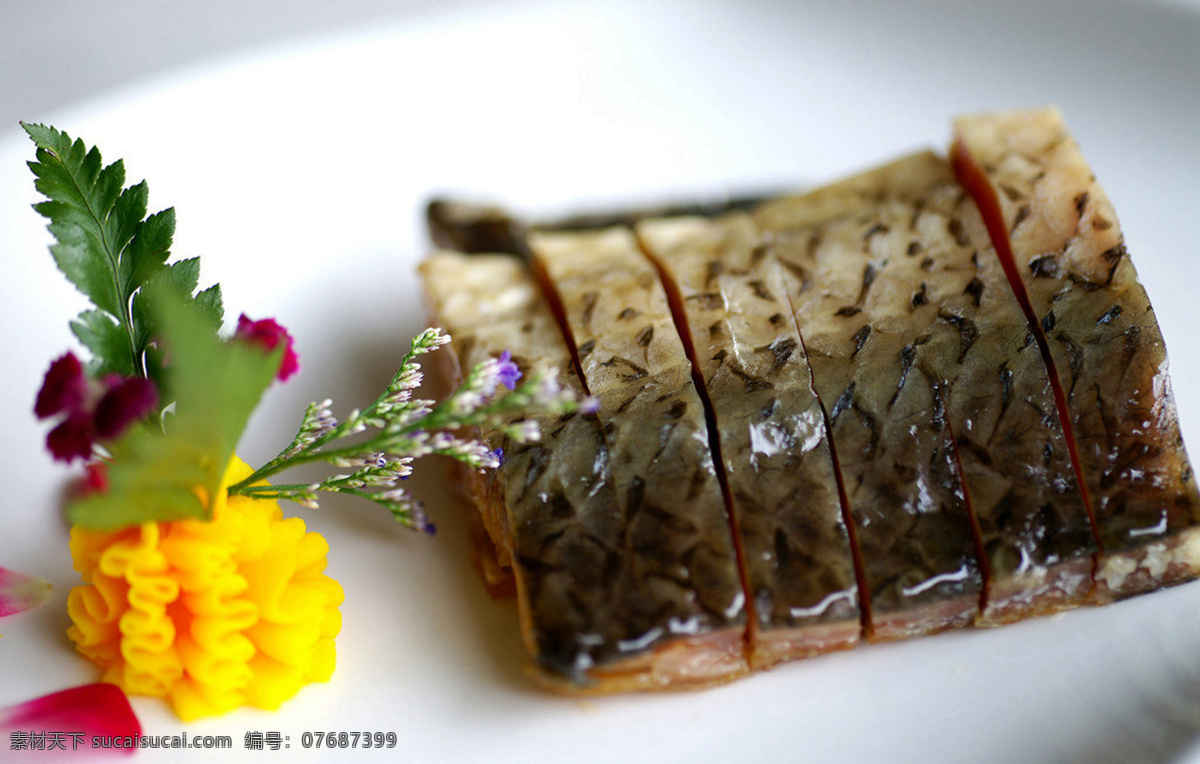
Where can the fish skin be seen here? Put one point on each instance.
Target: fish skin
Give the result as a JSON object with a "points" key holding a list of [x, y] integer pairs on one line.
{"points": [[580, 592], [1032, 521], [1100, 329], [874, 366], [774, 445], [677, 533]]}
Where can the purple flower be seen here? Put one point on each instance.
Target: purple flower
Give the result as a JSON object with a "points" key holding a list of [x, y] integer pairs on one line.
{"points": [[507, 371], [72, 438], [63, 388], [126, 401], [420, 522], [93, 410], [267, 334]]}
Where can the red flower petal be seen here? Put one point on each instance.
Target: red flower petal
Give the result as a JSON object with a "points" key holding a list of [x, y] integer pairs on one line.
{"points": [[69, 719], [126, 401], [72, 438], [95, 477], [63, 387], [267, 333], [19, 592]]}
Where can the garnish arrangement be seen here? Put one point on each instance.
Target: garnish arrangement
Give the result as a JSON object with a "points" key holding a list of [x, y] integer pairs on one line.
{"points": [[196, 587]]}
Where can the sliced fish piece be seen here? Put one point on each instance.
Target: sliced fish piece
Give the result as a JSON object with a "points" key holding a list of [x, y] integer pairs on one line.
{"points": [[1060, 240], [677, 535], [874, 363], [488, 305], [586, 607], [773, 440], [1034, 529]]}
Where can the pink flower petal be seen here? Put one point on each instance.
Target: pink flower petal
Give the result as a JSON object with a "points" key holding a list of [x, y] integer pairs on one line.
{"points": [[68, 720], [95, 477], [19, 592], [267, 333]]}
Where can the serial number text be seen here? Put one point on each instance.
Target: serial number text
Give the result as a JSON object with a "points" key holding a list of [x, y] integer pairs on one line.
{"points": [[348, 740]]}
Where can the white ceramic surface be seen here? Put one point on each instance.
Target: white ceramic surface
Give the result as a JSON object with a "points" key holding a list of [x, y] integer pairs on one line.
{"points": [[299, 174]]}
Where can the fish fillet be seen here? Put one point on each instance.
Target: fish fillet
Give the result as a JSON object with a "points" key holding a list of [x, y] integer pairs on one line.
{"points": [[1065, 254]]}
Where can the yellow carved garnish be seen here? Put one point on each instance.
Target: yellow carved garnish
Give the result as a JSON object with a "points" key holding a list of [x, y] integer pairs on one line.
{"points": [[210, 615]]}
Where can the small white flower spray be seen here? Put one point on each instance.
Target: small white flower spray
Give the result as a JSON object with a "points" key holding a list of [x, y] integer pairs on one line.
{"points": [[403, 429]]}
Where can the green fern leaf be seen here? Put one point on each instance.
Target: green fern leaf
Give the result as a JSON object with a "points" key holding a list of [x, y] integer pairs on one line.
{"points": [[108, 248], [101, 335]]}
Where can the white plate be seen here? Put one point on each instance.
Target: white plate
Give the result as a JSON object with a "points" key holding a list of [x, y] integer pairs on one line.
{"points": [[299, 175]]}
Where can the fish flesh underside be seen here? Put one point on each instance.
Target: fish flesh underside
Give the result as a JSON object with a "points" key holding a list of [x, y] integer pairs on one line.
{"points": [[928, 396]]}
